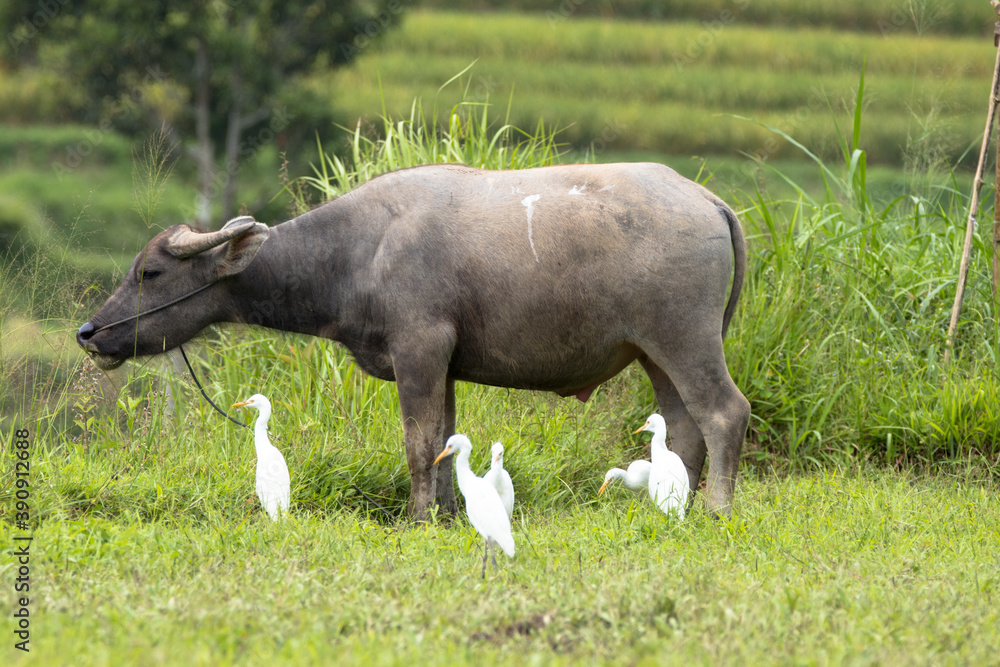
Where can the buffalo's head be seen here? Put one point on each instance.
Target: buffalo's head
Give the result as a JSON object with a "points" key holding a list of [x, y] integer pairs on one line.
{"points": [[176, 263]]}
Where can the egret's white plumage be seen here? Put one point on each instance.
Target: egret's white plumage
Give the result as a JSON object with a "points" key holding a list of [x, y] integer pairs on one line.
{"points": [[636, 478], [500, 479], [668, 478], [482, 502], [274, 486]]}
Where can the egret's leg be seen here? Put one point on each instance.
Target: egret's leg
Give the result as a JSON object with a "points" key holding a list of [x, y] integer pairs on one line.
{"points": [[493, 555], [486, 549]]}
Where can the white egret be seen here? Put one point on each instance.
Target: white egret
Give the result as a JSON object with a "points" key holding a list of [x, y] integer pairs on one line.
{"points": [[482, 502], [636, 478], [273, 482], [500, 479], [668, 478]]}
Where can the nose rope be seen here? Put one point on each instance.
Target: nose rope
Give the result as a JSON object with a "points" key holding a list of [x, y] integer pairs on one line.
{"points": [[210, 401], [151, 310], [202, 390], [239, 423]]}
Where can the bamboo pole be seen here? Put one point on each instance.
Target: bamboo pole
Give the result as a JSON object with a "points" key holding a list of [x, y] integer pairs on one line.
{"points": [[970, 227], [996, 227], [996, 191]]}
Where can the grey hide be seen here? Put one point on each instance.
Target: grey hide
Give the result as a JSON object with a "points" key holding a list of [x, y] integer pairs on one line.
{"points": [[551, 279]]}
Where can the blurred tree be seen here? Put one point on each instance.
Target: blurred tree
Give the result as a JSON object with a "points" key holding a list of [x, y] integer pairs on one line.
{"points": [[210, 67]]}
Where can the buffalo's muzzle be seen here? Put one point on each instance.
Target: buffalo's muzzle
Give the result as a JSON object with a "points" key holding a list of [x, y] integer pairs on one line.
{"points": [[83, 335]]}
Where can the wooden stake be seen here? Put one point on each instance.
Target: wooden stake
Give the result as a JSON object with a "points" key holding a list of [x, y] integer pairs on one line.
{"points": [[970, 227]]}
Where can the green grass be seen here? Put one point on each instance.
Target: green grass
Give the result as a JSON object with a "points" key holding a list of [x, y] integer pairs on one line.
{"points": [[467, 136], [838, 567], [153, 548]]}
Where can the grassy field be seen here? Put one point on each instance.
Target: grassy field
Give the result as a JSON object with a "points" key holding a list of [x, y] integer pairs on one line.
{"points": [[840, 567]]}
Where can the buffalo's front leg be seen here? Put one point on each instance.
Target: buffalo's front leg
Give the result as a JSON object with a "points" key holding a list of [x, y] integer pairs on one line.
{"points": [[421, 375], [445, 488]]}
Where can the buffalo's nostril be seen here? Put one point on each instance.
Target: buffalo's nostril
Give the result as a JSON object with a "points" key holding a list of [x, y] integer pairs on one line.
{"points": [[84, 333]]}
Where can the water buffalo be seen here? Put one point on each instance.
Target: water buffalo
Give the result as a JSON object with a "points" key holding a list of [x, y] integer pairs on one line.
{"points": [[550, 279]]}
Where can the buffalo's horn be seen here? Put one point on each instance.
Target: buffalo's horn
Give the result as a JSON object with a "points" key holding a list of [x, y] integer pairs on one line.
{"points": [[185, 242]]}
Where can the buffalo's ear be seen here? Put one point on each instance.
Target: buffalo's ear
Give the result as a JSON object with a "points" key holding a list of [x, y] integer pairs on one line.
{"points": [[237, 253]]}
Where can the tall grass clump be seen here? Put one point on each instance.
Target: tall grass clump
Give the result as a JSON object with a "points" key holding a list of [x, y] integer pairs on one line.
{"points": [[467, 135], [44, 285], [840, 340]]}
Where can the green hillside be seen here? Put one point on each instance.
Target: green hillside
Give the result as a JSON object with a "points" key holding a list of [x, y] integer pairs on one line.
{"points": [[675, 88], [879, 16]]}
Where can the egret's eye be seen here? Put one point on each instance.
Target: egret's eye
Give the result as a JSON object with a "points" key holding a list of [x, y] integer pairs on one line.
{"points": [[149, 274]]}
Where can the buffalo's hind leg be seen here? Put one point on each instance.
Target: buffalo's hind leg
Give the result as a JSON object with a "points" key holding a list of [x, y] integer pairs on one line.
{"points": [[696, 369], [686, 439]]}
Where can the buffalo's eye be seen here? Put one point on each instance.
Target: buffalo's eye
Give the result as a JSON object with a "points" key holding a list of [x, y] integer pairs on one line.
{"points": [[149, 274]]}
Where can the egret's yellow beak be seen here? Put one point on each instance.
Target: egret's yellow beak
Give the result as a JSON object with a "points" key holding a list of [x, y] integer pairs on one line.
{"points": [[603, 486], [641, 428], [444, 452], [239, 405]]}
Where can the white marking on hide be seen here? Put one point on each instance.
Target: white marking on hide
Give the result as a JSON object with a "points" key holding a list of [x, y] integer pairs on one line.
{"points": [[577, 191], [529, 203], [607, 187]]}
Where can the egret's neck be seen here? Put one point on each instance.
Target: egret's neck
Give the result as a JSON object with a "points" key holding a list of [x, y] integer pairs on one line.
{"points": [[462, 468], [260, 427], [658, 445]]}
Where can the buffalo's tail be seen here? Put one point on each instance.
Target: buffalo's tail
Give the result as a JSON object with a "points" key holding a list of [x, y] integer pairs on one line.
{"points": [[739, 264]]}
